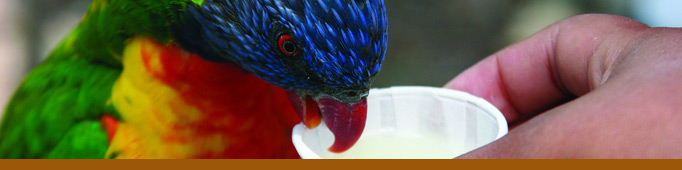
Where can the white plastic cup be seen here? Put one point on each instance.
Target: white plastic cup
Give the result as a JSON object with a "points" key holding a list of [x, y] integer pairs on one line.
{"points": [[412, 122]]}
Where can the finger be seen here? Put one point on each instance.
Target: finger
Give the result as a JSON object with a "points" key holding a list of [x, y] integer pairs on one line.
{"points": [[550, 67], [635, 114], [608, 121]]}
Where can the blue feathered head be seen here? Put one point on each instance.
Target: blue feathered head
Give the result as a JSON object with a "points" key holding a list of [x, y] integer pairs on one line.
{"points": [[316, 46], [325, 52]]}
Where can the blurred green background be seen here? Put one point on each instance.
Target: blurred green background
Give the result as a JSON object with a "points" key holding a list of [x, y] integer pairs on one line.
{"points": [[430, 41]]}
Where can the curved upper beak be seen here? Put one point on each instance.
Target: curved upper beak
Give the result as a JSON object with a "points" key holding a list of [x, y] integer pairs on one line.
{"points": [[346, 119]]}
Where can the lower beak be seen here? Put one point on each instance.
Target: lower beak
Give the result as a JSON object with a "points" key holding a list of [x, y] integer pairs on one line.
{"points": [[345, 120]]}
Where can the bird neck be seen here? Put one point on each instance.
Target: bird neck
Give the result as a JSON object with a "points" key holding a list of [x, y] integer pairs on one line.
{"points": [[175, 104]]}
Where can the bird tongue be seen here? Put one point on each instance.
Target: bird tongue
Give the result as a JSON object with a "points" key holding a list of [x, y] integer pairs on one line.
{"points": [[307, 110], [345, 120]]}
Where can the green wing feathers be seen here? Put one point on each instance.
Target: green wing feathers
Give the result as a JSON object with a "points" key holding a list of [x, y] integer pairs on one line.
{"points": [[56, 112]]}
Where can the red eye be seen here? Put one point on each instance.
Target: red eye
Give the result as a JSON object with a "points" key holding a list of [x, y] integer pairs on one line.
{"points": [[287, 46]]}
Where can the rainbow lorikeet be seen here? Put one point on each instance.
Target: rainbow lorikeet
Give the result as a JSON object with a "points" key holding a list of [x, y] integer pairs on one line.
{"points": [[199, 79]]}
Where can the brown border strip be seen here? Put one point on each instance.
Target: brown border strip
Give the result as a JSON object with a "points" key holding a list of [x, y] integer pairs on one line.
{"points": [[249, 164]]}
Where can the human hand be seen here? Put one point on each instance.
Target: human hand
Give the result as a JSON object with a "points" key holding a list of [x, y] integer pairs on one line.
{"points": [[591, 86]]}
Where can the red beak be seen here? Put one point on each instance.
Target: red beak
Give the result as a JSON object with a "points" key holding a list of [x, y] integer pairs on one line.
{"points": [[345, 120]]}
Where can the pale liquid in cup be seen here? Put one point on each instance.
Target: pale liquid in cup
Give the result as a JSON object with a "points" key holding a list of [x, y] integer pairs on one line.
{"points": [[400, 145]]}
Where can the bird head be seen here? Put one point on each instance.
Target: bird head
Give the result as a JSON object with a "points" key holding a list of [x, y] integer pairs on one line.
{"points": [[325, 53]]}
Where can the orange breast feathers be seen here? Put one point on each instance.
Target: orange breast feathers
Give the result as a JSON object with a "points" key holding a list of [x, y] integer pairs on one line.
{"points": [[173, 104]]}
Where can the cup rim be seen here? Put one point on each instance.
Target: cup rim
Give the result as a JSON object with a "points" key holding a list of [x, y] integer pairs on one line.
{"points": [[305, 152]]}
